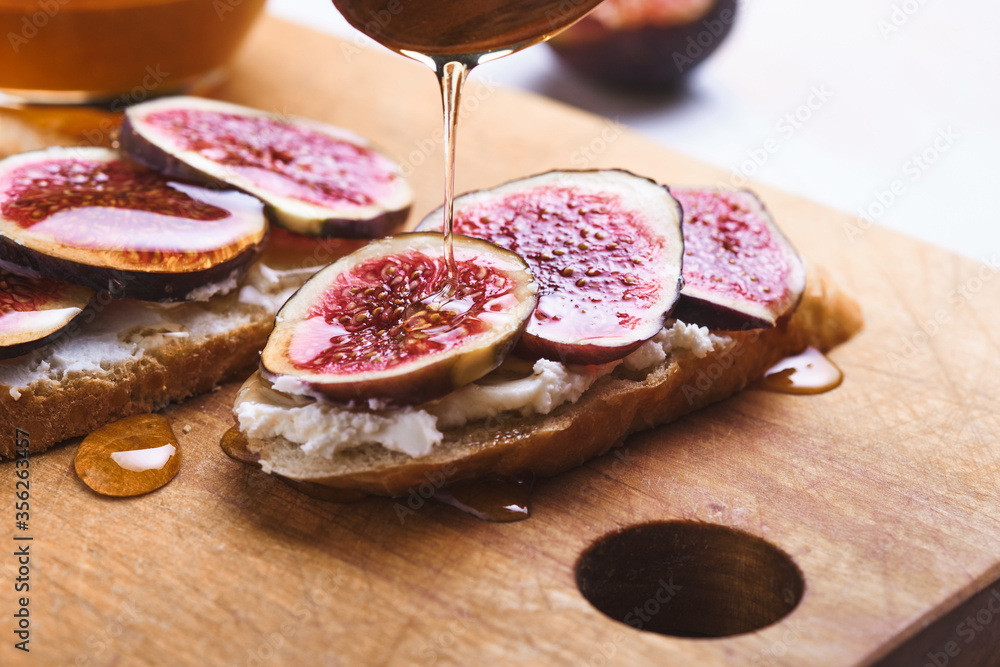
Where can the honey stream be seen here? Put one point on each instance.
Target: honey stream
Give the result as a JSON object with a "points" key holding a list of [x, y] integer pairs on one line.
{"points": [[452, 37]]}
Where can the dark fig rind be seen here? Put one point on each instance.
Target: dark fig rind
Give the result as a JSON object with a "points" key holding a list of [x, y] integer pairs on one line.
{"points": [[159, 209], [123, 284], [716, 317], [22, 297], [730, 231], [653, 55], [349, 334], [608, 265], [160, 152]]}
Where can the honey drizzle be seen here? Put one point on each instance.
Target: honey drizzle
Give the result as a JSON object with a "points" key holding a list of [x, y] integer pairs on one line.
{"points": [[452, 37]]}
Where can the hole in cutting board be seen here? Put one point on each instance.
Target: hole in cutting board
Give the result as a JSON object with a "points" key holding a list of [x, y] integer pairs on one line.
{"points": [[688, 579]]}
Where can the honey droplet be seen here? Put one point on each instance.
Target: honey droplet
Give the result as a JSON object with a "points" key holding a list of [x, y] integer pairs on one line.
{"points": [[234, 444], [497, 499], [129, 457], [807, 373]]}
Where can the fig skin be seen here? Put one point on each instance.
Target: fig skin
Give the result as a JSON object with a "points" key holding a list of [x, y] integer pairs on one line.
{"points": [[613, 309], [760, 300], [654, 55], [142, 285], [19, 294], [164, 155], [122, 271], [405, 372]]}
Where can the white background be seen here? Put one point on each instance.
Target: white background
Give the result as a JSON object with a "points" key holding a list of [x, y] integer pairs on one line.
{"points": [[898, 74]]}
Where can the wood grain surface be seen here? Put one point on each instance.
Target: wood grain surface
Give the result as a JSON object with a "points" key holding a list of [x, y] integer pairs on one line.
{"points": [[884, 492]]}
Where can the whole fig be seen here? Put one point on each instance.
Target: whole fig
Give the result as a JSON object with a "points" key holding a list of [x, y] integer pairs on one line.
{"points": [[645, 44]]}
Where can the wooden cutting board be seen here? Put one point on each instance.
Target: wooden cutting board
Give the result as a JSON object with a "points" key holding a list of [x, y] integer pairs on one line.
{"points": [[883, 492]]}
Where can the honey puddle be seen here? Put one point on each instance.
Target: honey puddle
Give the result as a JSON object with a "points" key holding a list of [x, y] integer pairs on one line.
{"points": [[234, 444], [808, 373], [496, 499], [129, 457]]}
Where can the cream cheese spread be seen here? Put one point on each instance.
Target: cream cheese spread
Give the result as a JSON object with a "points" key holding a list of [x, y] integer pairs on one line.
{"points": [[323, 428], [114, 332]]}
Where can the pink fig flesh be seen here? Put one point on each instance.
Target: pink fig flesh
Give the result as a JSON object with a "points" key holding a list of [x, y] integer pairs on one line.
{"points": [[315, 178], [740, 271], [85, 216], [369, 325], [33, 311], [605, 248]]}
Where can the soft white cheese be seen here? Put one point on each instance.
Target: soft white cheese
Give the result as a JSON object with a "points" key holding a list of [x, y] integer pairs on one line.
{"points": [[676, 337], [270, 288], [224, 286], [647, 355], [324, 428], [116, 332], [266, 300], [550, 385]]}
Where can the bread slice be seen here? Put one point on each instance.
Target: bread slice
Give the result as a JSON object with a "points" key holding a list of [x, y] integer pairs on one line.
{"points": [[131, 357], [614, 407]]}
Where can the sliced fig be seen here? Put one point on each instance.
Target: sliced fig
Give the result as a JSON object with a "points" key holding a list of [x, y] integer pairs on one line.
{"points": [[85, 216], [645, 44], [34, 310], [315, 178], [605, 248], [740, 271], [367, 326]]}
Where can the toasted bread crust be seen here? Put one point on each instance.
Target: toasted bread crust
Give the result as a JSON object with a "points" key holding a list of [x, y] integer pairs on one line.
{"points": [[52, 411], [603, 417]]}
